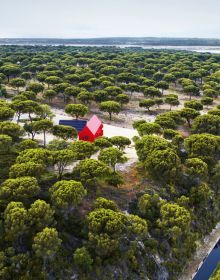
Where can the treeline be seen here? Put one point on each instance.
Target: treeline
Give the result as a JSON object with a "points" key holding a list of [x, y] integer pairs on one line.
{"points": [[145, 41]]}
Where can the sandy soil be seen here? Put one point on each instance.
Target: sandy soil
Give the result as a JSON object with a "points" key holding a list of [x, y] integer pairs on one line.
{"points": [[109, 131]]}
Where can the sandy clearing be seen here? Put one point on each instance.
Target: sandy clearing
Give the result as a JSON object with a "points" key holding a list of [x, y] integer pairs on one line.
{"points": [[109, 131]]}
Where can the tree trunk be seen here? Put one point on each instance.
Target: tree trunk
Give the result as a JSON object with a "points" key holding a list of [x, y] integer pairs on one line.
{"points": [[189, 124], [29, 114], [32, 135], [18, 119], [60, 171], [44, 138], [110, 116]]}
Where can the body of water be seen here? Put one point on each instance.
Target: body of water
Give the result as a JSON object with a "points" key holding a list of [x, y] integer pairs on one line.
{"points": [[202, 49], [209, 265]]}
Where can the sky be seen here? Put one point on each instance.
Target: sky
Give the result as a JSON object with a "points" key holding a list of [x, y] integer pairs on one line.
{"points": [[109, 18]]}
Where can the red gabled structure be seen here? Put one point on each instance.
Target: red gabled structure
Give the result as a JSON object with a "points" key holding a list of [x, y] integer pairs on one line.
{"points": [[92, 130]]}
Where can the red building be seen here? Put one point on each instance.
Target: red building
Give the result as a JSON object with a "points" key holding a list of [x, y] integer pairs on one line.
{"points": [[92, 130]]}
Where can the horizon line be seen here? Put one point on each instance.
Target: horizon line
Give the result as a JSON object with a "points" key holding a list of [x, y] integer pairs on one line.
{"points": [[109, 37]]}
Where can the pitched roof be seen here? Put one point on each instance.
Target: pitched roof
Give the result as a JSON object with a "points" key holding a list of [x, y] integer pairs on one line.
{"points": [[77, 124], [94, 124]]}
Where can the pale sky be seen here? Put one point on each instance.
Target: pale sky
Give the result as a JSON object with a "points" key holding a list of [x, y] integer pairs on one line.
{"points": [[109, 18]]}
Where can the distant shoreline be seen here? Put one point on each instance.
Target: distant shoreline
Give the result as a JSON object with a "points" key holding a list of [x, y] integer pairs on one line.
{"points": [[133, 41], [196, 48]]}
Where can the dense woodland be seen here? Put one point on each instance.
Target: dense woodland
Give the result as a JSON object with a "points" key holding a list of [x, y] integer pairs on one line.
{"points": [[81, 223], [145, 41]]}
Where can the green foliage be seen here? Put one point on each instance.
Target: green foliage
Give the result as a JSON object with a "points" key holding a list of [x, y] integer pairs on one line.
{"points": [[147, 103], [216, 177], [107, 229], [5, 142], [215, 112], [83, 149], [35, 87], [203, 146], [152, 92], [136, 124], [53, 80], [196, 168], [49, 94], [26, 169], [189, 114], [102, 142], [175, 220], [76, 110], [102, 202], [149, 128], [163, 85], [163, 164], [207, 124], [111, 156], [149, 143], [207, 101], [40, 215], [26, 144], [19, 189], [67, 194], [120, 142], [11, 129], [6, 112], [62, 159], [10, 70], [100, 96], [64, 132], [200, 195], [30, 107], [170, 133], [46, 243], [43, 126], [57, 144], [88, 171], [15, 220], [149, 207], [72, 91], [216, 274], [166, 122], [194, 104], [17, 83], [122, 99], [38, 155], [83, 259], [110, 107], [191, 89], [85, 97], [172, 100], [45, 112], [179, 202]]}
